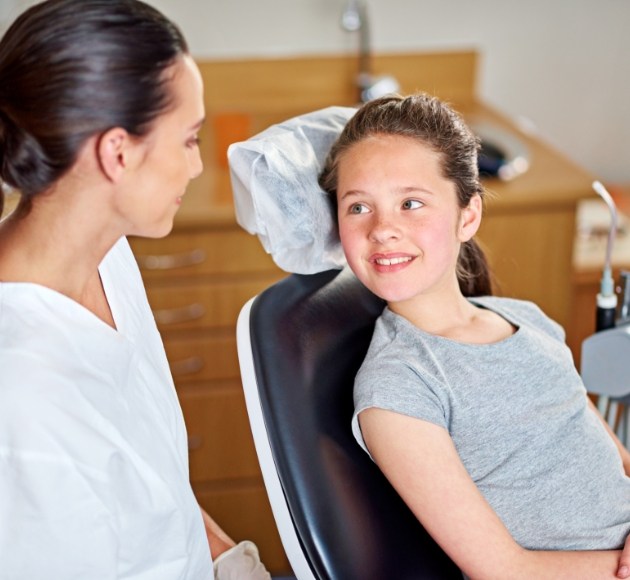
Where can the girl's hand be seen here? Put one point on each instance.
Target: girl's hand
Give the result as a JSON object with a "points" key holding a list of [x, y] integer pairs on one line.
{"points": [[623, 570]]}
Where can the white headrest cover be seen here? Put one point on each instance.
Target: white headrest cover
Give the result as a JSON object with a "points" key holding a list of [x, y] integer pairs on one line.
{"points": [[276, 194]]}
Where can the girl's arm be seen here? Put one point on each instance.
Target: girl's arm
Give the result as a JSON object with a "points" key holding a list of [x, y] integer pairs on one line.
{"points": [[421, 462], [625, 455], [624, 559]]}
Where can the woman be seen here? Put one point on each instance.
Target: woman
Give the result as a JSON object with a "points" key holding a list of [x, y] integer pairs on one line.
{"points": [[469, 404], [100, 109]]}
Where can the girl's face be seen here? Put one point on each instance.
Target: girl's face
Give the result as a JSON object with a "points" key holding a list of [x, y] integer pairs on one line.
{"points": [[400, 223], [167, 158]]}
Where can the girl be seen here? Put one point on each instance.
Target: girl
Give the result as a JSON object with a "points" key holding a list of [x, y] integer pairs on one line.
{"points": [[470, 404], [100, 107]]}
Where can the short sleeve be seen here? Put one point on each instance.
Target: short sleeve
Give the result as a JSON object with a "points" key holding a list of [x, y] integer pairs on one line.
{"points": [[396, 385]]}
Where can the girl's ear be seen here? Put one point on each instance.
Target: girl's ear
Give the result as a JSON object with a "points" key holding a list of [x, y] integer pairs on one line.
{"points": [[113, 149], [470, 218]]}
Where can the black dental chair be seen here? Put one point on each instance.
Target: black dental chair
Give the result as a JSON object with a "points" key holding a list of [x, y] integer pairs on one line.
{"points": [[300, 343]]}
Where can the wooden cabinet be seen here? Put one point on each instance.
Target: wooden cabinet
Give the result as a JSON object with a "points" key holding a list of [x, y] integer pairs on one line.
{"points": [[197, 280]]}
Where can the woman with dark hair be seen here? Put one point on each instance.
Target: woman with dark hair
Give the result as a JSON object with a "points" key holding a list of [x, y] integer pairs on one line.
{"points": [[470, 404], [100, 108]]}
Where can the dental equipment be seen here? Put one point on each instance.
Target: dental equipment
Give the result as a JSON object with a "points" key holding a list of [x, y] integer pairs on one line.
{"points": [[606, 298], [624, 309], [604, 362], [354, 18]]}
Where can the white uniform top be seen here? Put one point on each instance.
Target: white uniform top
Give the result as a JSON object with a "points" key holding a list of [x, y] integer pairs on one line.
{"points": [[93, 455]]}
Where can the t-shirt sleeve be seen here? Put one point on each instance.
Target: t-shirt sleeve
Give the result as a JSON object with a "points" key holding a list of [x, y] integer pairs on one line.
{"points": [[53, 524], [396, 385]]}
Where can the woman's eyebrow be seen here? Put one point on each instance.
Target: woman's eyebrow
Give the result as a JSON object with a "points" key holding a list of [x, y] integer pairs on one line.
{"points": [[198, 124]]}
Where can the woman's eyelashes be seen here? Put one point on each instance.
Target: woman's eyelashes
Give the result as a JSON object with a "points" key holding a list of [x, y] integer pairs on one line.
{"points": [[193, 142]]}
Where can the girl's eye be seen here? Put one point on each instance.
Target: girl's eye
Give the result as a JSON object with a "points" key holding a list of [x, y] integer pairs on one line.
{"points": [[357, 208], [412, 204]]}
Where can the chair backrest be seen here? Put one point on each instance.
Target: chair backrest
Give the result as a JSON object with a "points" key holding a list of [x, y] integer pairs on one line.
{"points": [[300, 344]]}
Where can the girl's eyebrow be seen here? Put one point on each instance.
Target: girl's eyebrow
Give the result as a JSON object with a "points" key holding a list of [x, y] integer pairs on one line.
{"points": [[351, 192], [414, 189], [404, 190]]}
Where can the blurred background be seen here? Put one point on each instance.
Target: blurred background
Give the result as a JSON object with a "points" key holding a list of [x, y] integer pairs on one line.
{"points": [[562, 66]]}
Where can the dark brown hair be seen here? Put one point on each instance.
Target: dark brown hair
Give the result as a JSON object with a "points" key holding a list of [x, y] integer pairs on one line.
{"points": [[70, 69], [438, 126]]}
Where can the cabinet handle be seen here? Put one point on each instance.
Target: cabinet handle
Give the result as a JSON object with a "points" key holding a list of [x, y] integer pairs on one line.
{"points": [[194, 442], [171, 261], [178, 315], [187, 366]]}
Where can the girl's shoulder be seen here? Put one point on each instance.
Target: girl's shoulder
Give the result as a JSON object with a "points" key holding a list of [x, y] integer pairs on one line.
{"points": [[521, 313]]}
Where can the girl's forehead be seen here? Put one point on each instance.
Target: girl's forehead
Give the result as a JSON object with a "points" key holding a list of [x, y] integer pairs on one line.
{"points": [[383, 143], [397, 150]]}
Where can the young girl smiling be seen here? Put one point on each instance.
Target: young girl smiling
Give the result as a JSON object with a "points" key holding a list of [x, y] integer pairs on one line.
{"points": [[470, 404]]}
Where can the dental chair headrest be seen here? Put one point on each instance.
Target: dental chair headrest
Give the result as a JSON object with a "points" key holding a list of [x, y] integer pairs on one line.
{"points": [[276, 192]]}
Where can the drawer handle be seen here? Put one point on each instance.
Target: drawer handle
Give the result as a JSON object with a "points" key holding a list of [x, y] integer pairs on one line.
{"points": [[194, 442], [187, 366], [171, 261], [178, 315]]}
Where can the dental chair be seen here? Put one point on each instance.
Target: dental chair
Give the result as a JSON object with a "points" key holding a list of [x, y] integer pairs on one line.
{"points": [[300, 343]]}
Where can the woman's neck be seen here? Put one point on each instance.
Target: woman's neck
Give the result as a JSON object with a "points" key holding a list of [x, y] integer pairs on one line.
{"points": [[60, 246]]}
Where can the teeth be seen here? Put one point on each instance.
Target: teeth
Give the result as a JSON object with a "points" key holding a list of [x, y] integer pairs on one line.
{"points": [[392, 261]]}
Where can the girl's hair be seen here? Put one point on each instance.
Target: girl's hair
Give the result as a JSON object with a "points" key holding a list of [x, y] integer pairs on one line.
{"points": [[436, 125], [71, 69]]}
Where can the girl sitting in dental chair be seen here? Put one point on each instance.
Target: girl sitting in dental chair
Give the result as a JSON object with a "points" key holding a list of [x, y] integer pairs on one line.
{"points": [[470, 404]]}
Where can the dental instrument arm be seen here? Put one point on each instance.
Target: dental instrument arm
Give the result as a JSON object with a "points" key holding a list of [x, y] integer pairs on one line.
{"points": [[606, 298]]}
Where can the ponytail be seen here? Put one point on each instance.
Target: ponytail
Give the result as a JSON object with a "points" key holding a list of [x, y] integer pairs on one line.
{"points": [[72, 69], [473, 271]]}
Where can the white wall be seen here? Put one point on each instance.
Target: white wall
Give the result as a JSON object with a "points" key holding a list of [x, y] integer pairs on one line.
{"points": [[563, 64]]}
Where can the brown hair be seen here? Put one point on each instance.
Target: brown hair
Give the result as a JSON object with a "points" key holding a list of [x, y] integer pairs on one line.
{"points": [[439, 127], [71, 69]]}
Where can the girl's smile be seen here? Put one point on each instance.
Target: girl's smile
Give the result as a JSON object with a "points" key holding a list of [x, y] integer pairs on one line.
{"points": [[391, 262]]}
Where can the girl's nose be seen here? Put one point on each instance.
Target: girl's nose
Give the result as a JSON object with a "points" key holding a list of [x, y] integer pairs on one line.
{"points": [[384, 230]]}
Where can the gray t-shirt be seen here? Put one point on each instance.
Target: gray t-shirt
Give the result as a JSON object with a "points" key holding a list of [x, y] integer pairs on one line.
{"points": [[518, 415]]}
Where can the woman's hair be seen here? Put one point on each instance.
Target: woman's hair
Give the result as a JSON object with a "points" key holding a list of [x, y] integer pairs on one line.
{"points": [[434, 124], [71, 69]]}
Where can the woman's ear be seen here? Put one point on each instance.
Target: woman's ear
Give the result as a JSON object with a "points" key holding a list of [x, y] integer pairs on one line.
{"points": [[470, 218], [113, 152]]}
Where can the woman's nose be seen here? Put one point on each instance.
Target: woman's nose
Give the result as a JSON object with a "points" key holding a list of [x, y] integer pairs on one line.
{"points": [[195, 165]]}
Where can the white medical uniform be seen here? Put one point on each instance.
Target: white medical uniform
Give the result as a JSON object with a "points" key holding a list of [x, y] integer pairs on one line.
{"points": [[93, 455]]}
